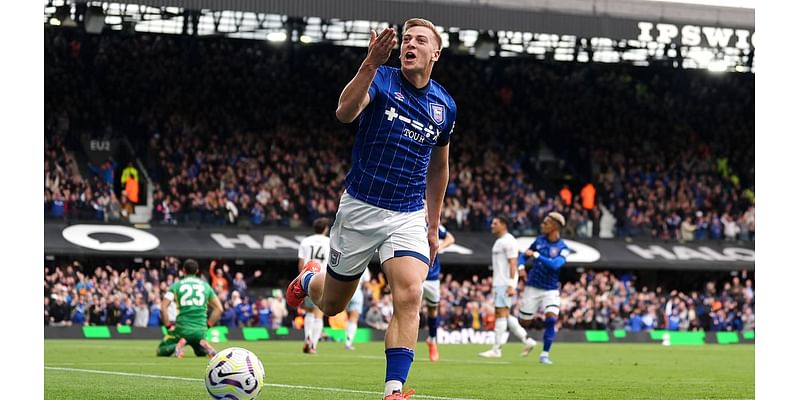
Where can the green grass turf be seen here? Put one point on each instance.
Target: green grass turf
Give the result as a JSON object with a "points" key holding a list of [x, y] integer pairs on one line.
{"points": [[581, 371]]}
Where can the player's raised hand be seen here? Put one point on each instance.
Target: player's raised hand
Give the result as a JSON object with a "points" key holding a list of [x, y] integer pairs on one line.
{"points": [[529, 253], [380, 47]]}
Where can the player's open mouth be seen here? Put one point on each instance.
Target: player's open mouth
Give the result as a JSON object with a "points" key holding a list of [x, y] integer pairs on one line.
{"points": [[410, 56]]}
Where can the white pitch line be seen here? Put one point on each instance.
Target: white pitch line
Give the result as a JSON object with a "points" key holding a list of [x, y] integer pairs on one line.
{"points": [[279, 385], [479, 362], [92, 364], [382, 358], [123, 363]]}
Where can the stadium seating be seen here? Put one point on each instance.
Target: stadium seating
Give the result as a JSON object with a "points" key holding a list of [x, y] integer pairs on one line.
{"points": [[242, 132], [77, 294]]}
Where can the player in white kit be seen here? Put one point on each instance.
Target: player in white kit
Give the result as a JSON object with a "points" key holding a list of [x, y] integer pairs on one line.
{"points": [[504, 284], [314, 247], [354, 309]]}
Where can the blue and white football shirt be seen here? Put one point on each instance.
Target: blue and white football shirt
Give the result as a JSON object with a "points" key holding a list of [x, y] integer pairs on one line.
{"points": [[552, 256], [396, 133]]}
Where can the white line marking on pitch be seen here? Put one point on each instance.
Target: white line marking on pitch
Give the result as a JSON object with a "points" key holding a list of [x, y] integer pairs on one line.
{"points": [[279, 385], [102, 363], [382, 358], [92, 364]]}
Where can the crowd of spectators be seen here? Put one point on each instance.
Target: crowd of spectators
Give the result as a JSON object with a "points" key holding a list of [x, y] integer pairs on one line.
{"points": [[66, 194], [70, 196], [243, 132], [75, 294], [596, 300], [605, 301]]}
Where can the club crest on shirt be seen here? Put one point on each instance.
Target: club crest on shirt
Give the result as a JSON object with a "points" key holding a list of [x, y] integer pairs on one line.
{"points": [[437, 113], [399, 96], [553, 252]]}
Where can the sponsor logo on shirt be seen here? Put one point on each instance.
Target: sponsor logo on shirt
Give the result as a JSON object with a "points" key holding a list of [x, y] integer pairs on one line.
{"points": [[429, 132]]}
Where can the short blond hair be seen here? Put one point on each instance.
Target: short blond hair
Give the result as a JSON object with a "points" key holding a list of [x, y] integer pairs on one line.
{"points": [[427, 24]]}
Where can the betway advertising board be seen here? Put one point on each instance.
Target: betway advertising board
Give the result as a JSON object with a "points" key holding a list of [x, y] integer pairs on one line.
{"points": [[471, 248]]}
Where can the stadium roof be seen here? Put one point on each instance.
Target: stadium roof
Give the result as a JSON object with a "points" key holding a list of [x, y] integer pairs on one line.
{"points": [[716, 12], [640, 32], [681, 12]]}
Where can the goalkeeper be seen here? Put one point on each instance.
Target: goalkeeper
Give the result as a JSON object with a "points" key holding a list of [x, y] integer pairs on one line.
{"points": [[193, 297]]}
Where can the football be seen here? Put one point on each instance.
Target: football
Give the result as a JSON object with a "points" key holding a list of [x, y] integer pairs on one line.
{"points": [[236, 374]]}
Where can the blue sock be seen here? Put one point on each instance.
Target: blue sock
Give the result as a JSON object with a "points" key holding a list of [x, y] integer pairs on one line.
{"points": [[433, 323], [398, 363], [306, 280], [549, 332]]}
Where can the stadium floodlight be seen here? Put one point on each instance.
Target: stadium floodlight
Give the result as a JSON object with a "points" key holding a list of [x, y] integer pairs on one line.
{"points": [[688, 46], [276, 37], [94, 20], [717, 66], [113, 20], [485, 45]]}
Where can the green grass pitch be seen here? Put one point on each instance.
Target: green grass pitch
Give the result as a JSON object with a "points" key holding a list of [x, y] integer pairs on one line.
{"points": [[129, 369]]}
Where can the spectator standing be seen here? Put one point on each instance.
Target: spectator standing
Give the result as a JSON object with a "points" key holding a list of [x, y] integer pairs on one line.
{"points": [[240, 284], [219, 280], [264, 314], [130, 183], [59, 311], [105, 171], [687, 229], [141, 312], [154, 317], [731, 228], [79, 311], [588, 193]]}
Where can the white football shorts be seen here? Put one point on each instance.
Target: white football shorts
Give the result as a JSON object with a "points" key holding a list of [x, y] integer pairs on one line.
{"points": [[430, 292], [360, 229], [535, 300]]}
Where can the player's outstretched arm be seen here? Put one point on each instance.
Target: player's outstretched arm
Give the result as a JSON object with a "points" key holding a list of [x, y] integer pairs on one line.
{"points": [[438, 174], [355, 96]]}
